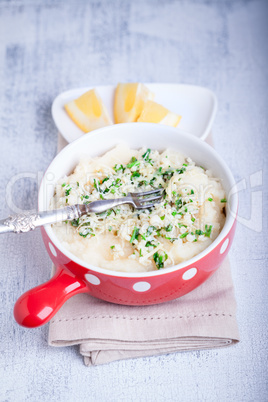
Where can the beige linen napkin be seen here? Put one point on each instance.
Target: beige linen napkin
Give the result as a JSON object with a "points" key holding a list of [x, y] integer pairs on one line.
{"points": [[202, 319]]}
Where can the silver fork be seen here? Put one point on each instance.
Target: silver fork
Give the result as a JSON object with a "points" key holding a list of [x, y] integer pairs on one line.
{"points": [[25, 222]]}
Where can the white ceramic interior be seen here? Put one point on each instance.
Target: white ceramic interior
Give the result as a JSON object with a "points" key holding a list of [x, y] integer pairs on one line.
{"points": [[137, 135]]}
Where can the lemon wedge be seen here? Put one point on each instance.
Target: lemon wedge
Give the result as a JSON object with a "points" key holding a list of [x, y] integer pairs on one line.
{"points": [[88, 112], [129, 101], [155, 113]]}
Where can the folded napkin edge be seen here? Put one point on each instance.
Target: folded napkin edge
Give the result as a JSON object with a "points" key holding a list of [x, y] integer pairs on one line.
{"points": [[67, 333], [98, 357]]}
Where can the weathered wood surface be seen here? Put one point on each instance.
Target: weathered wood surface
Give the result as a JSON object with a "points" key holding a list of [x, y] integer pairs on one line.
{"points": [[49, 47]]}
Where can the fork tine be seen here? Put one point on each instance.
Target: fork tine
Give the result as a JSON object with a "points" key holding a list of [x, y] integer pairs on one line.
{"points": [[143, 200], [146, 206], [146, 193]]}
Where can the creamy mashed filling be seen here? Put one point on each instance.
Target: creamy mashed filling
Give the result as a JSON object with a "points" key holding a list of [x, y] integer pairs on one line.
{"points": [[186, 221]]}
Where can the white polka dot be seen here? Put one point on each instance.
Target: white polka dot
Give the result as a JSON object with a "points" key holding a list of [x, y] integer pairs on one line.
{"points": [[141, 286], [94, 280], [189, 274], [224, 246], [52, 249]]}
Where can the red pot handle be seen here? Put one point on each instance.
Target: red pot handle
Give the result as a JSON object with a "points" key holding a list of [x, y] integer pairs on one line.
{"points": [[37, 306]]}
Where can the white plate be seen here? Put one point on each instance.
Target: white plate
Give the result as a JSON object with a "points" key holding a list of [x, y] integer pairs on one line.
{"points": [[196, 105]]}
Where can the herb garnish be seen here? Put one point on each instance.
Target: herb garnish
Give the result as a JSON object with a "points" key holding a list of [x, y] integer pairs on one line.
{"points": [[133, 162], [149, 243], [97, 185], [87, 231], [135, 174], [160, 259], [199, 232], [146, 155], [118, 167], [208, 230], [135, 234], [67, 191], [183, 235], [180, 171], [169, 228]]}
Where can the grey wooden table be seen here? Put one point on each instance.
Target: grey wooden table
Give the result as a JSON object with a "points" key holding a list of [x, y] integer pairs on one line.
{"points": [[48, 47]]}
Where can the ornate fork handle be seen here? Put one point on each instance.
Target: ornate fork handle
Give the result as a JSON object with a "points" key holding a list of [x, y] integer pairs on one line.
{"points": [[21, 223], [25, 222]]}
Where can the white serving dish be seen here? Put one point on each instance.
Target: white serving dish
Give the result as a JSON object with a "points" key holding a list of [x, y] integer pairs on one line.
{"points": [[197, 106]]}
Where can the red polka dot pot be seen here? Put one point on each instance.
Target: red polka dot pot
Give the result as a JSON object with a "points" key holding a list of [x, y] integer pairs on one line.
{"points": [[37, 306]]}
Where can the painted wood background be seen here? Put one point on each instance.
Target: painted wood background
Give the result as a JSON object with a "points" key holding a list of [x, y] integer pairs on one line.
{"points": [[48, 47]]}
